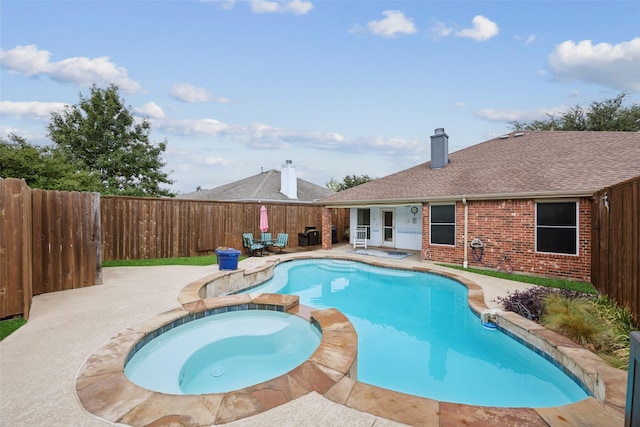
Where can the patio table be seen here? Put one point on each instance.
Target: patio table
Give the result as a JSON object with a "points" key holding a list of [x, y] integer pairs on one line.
{"points": [[265, 245]]}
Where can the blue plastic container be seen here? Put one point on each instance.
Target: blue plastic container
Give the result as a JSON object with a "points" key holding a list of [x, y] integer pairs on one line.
{"points": [[228, 259]]}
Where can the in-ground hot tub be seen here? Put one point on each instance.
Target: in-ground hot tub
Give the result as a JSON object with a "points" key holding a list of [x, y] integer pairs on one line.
{"points": [[222, 352]]}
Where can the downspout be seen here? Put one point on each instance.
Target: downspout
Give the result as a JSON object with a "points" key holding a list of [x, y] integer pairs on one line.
{"points": [[465, 263]]}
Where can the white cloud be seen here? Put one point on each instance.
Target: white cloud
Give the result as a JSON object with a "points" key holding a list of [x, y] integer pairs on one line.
{"points": [[264, 6], [82, 71], [222, 4], [393, 23], [151, 110], [37, 137], [522, 116], [528, 40], [188, 93], [439, 30], [259, 135], [212, 161], [614, 66], [483, 29], [39, 110], [299, 7], [390, 146], [294, 7], [195, 127]]}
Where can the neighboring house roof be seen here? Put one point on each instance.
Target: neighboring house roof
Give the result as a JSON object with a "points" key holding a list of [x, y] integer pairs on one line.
{"points": [[517, 165], [263, 187]]}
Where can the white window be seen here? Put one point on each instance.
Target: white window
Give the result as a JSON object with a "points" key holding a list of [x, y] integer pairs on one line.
{"points": [[443, 225]]}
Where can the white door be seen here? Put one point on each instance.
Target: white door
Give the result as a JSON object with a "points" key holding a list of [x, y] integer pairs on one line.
{"points": [[388, 229]]}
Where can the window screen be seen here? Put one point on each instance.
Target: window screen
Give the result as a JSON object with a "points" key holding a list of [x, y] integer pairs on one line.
{"points": [[443, 225], [557, 228], [364, 220]]}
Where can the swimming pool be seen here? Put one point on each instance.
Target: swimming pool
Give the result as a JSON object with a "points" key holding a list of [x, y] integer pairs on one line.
{"points": [[223, 352], [417, 335]]}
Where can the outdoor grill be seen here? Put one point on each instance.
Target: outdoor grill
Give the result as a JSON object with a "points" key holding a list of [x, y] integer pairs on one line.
{"points": [[310, 236]]}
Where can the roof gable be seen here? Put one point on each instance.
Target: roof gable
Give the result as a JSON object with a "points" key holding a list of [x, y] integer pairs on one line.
{"points": [[264, 186]]}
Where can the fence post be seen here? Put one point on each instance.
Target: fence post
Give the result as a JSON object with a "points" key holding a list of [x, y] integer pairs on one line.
{"points": [[16, 274]]}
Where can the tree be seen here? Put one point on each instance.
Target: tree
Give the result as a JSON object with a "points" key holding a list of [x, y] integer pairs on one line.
{"points": [[102, 134], [349, 181], [607, 115], [43, 167]]}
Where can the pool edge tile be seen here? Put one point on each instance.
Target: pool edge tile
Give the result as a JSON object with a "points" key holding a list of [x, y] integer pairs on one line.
{"points": [[253, 400], [395, 406], [165, 409], [587, 412], [456, 414]]}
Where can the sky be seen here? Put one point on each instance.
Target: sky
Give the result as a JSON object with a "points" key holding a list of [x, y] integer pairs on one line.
{"points": [[339, 87]]}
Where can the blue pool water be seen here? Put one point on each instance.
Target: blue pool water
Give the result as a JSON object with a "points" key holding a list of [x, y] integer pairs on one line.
{"points": [[223, 352], [417, 335]]}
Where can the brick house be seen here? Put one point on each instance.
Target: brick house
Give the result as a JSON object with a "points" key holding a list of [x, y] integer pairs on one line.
{"points": [[525, 194]]}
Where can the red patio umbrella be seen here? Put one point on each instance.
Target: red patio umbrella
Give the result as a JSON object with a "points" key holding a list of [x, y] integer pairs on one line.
{"points": [[264, 220]]}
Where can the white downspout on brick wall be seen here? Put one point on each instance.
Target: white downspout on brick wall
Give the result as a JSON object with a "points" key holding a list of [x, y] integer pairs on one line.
{"points": [[465, 262]]}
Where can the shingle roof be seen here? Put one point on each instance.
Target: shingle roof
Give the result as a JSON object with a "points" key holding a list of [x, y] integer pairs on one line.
{"points": [[532, 164], [264, 187]]}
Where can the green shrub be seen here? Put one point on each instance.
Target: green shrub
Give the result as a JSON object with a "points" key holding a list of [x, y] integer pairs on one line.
{"points": [[574, 318], [595, 322], [619, 323]]}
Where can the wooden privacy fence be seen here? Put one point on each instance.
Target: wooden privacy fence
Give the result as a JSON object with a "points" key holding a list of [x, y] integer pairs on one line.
{"points": [[50, 242], [15, 248], [56, 240], [140, 228], [615, 260]]}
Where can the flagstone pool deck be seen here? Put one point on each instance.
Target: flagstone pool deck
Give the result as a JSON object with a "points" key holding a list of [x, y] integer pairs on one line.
{"points": [[62, 362]]}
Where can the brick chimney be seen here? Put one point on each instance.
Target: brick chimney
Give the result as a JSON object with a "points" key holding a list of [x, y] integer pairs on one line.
{"points": [[439, 149]]}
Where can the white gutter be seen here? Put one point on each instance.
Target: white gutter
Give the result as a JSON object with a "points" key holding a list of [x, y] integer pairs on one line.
{"points": [[453, 198], [465, 263]]}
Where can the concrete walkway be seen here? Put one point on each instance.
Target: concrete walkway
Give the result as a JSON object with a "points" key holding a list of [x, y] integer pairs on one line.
{"points": [[39, 362]]}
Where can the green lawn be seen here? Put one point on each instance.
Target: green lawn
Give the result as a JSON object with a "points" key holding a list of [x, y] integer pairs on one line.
{"points": [[194, 260], [9, 326], [539, 281]]}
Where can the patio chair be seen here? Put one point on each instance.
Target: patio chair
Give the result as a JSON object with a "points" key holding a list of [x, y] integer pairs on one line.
{"points": [[360, 239], [266, 239], [250, 246], [283, 240]]}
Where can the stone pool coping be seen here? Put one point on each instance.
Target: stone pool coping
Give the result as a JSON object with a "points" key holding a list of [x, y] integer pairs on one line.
{"points": [[105, 391], [331, 371]]}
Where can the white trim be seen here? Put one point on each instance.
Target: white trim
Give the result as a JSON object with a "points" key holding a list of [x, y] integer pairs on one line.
{"points": [[577, 227]]}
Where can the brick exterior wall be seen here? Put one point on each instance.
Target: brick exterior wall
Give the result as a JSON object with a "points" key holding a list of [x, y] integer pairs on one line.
{"points": [[326, 228], [509, 226]]}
